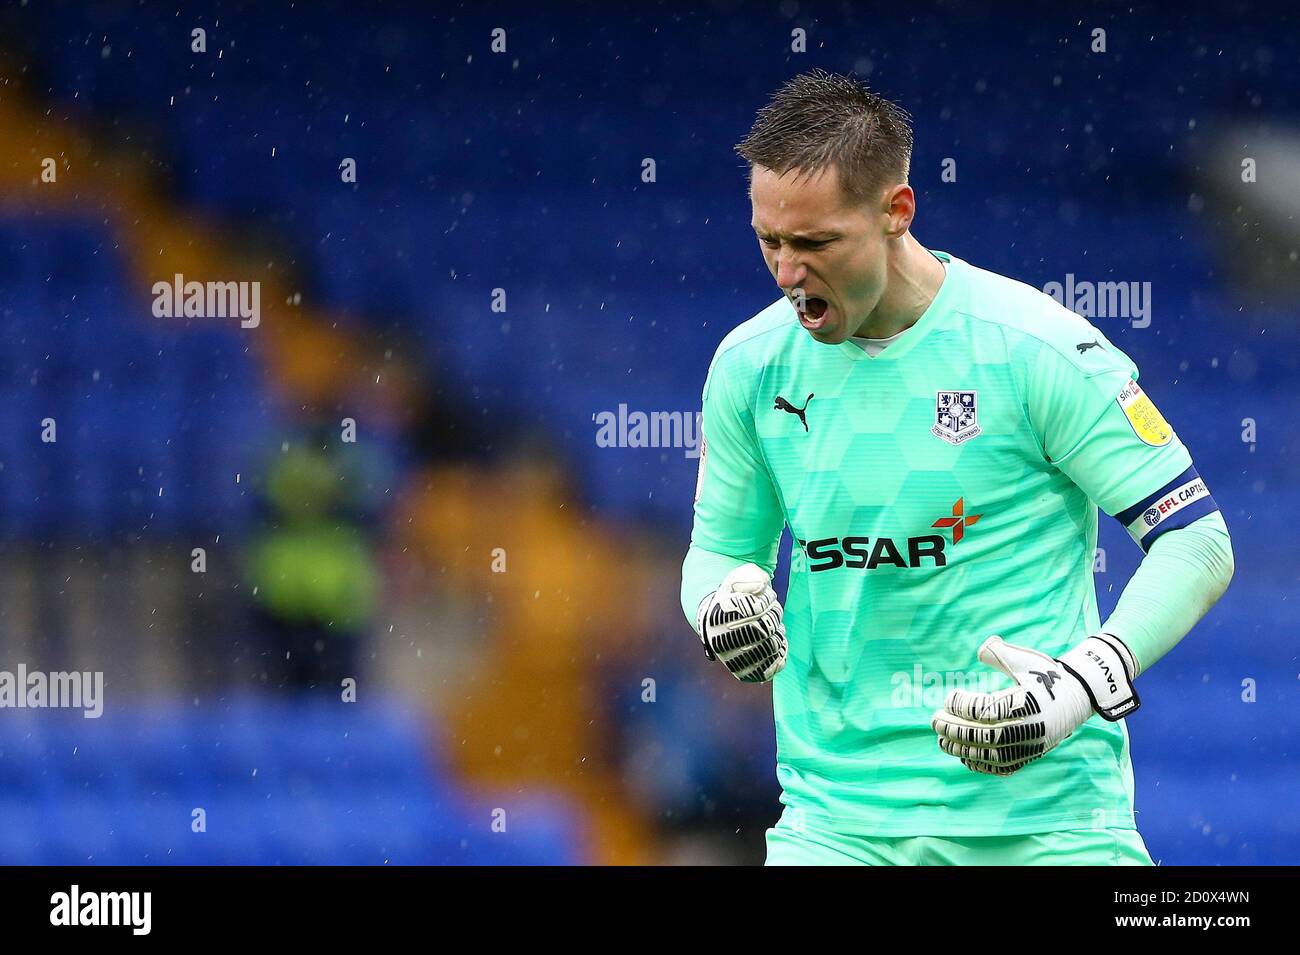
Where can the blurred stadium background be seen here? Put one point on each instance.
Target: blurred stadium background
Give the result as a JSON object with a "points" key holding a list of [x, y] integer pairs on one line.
{"points": [[484, 696]]}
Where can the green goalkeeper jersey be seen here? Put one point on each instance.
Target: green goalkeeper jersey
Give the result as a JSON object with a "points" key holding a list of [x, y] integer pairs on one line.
{"points": [[937, 493]]}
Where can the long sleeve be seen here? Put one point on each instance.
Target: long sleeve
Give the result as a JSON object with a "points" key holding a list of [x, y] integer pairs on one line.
{"points": [[1104, 432], [738, 517], [1179, 580]]}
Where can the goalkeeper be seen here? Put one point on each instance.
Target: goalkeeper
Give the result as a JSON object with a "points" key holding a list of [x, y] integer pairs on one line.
{"points": [[938, 439]]}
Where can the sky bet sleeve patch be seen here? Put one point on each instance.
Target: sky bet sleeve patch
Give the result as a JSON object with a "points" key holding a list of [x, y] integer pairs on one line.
{"points": [[1147, 421]]}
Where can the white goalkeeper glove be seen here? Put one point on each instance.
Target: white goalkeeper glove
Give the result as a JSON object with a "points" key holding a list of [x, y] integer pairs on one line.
{"points": [[999, 733], [741, 624]]}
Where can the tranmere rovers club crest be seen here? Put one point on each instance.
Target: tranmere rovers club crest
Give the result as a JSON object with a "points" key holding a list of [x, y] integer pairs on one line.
{"points": [[955, 416]]}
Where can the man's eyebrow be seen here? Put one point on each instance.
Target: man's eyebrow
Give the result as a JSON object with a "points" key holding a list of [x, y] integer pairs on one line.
{"points": [[822, 233]]}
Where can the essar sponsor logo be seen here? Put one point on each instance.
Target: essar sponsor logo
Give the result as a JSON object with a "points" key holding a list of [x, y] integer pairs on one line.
{"points": [[869, 553], [865, 553]]}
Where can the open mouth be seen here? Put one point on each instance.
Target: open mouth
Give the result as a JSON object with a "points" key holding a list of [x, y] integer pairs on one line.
{"points": [[813, 314]]}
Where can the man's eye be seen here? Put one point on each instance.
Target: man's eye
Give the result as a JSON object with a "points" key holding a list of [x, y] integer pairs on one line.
{"points": [[810, 244]]}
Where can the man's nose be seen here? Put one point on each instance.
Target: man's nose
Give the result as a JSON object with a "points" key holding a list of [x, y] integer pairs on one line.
{"points": [[790, 273]]}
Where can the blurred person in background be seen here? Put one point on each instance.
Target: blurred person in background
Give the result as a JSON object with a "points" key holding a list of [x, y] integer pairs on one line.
{"points": [[314, 576]]}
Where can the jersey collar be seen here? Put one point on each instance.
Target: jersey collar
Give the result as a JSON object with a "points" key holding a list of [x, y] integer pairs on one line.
{"points": [[933, 314]]}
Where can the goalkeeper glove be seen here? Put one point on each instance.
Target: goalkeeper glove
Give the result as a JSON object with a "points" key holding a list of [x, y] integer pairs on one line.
{"points": [[999, 733], [741, 624]]}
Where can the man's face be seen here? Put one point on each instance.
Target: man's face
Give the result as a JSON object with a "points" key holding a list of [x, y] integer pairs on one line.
{"points": [[813, 241]]}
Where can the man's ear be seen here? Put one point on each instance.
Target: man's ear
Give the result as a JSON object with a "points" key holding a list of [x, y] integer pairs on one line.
{"points": [[900, 209]]}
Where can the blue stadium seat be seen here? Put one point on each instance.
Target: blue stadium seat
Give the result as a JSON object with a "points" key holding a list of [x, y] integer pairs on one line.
{"points": [[281, 781]]}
